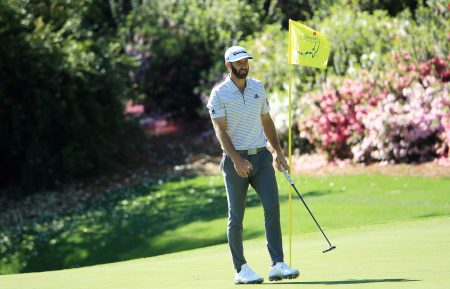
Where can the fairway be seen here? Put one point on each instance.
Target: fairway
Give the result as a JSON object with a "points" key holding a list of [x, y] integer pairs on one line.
{"points": [[412, 254]]}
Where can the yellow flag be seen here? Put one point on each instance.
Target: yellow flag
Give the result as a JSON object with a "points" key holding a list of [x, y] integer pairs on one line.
{"points": [[307, 47]]}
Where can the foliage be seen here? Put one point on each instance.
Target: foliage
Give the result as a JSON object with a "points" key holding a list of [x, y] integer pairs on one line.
{"points": [[62, 74], [392, 7], [68, 67], [335, 119], [305, 10], [177, 42], [406, 124], [396, 115], [356, 61], [349, 52], [384, 94], [424, 36]]}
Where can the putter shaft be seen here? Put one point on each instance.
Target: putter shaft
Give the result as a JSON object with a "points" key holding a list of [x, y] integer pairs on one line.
{"points": [[309, 211]]}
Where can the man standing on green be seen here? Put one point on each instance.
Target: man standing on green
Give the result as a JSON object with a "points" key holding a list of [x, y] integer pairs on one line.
{"points": [[240, 115]]}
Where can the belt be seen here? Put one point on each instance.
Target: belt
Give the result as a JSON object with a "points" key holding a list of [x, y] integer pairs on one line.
{"points": [[252, 151]]}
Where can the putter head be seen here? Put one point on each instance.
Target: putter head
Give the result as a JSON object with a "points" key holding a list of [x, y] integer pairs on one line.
{"points": [[329, 249]]}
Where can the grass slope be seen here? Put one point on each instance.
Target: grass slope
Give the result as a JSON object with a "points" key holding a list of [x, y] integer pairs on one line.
{"points": [[409, 255], [155, 219], [336, 202]]}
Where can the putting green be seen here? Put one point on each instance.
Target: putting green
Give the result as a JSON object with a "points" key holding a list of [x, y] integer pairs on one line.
{"points": [[398, 255]]}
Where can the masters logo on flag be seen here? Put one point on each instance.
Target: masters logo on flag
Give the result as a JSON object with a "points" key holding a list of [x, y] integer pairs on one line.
{"points": [[307, 47]]}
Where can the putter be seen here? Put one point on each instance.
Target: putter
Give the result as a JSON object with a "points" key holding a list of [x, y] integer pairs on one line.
{"points": [[306, 206]]}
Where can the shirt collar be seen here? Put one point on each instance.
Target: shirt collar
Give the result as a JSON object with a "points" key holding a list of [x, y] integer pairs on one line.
{"points": [[233, 86]]}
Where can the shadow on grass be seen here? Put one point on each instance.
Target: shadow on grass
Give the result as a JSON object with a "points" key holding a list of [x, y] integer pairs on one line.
{"points": [[431, 215], [308, 194], [124, 226], [344, 282], [316, 193], [130, 223]]}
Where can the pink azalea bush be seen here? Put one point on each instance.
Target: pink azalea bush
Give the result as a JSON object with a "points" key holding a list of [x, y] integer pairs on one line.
{"points": [[336, 122], [402, 115]]}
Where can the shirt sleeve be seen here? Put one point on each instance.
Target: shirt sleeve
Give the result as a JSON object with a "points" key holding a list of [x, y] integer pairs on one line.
{"points": [[265, 107], [215, 105]]}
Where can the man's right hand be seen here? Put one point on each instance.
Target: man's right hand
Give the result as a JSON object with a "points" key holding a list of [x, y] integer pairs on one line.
{"points": [[242, 166]]}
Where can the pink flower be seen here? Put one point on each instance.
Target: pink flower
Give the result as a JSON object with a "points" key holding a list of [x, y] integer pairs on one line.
{"points": [[424, 69], [134, 110], [405, 54]]}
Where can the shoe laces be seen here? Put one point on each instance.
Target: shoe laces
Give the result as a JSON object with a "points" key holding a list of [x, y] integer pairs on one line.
{"points": [[248, 271], [281, 266]]}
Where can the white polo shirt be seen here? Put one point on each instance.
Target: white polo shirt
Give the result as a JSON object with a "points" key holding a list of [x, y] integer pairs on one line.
{"points": [[242, 112]]}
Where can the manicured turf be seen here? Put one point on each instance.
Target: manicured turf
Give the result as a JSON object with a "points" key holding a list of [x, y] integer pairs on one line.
{"points": [[413, 254], [336, 202], [155, 219]]}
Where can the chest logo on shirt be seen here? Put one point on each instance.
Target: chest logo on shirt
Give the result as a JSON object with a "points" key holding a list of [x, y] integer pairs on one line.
{"points": [[213, 111], [256, 96]]}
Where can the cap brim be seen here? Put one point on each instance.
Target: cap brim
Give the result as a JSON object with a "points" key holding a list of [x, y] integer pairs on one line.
{"points": [[243, 57]]}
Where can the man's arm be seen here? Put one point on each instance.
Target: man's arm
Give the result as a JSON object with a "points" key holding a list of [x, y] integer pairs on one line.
{"points": [[272, 137], [242, 166]]}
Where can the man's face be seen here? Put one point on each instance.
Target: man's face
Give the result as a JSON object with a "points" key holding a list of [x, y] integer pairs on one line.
{"points": [[240, 68]]}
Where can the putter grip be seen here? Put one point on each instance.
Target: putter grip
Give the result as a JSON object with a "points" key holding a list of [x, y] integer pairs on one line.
{"points": [[287, 175]]}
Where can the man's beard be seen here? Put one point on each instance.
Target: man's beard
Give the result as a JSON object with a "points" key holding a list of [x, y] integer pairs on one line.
{"points": [[243, 72]]}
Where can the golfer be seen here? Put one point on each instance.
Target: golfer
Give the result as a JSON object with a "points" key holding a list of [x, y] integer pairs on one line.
{"points": [[239, 110]]}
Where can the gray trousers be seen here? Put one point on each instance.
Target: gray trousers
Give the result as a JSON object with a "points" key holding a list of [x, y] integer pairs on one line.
{"points": [[263, 180]]}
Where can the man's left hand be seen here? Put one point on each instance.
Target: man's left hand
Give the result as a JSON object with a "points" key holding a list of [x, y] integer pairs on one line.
{"points": [[280, 161]]}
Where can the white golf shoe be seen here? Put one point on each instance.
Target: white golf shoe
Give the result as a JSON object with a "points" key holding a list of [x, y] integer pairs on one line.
{"points": [[247, 276], [282, 271]]}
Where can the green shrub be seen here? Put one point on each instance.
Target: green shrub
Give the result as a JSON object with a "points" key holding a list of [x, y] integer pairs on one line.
{"points": [[63, 76], [384, 107], [178, 43]]}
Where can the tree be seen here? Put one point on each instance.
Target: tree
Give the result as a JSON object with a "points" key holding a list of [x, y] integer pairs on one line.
{"points": [[63, 76]]}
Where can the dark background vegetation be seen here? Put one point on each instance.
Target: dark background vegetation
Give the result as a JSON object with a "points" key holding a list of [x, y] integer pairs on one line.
{"points": [[67, 68]]}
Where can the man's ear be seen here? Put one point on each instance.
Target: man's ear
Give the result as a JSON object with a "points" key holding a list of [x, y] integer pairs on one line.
{"points": [[228, 65]]}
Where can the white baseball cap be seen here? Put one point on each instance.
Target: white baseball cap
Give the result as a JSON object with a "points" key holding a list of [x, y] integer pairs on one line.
{"points": [[235, 53]]}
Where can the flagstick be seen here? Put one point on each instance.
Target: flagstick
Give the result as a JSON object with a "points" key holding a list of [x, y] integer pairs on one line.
{"points": [[290, 143], [320, 62]]}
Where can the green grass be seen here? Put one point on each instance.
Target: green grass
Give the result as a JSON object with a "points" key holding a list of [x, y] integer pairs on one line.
{"points": [[336, 202], [412, 254], [155, 219]]}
